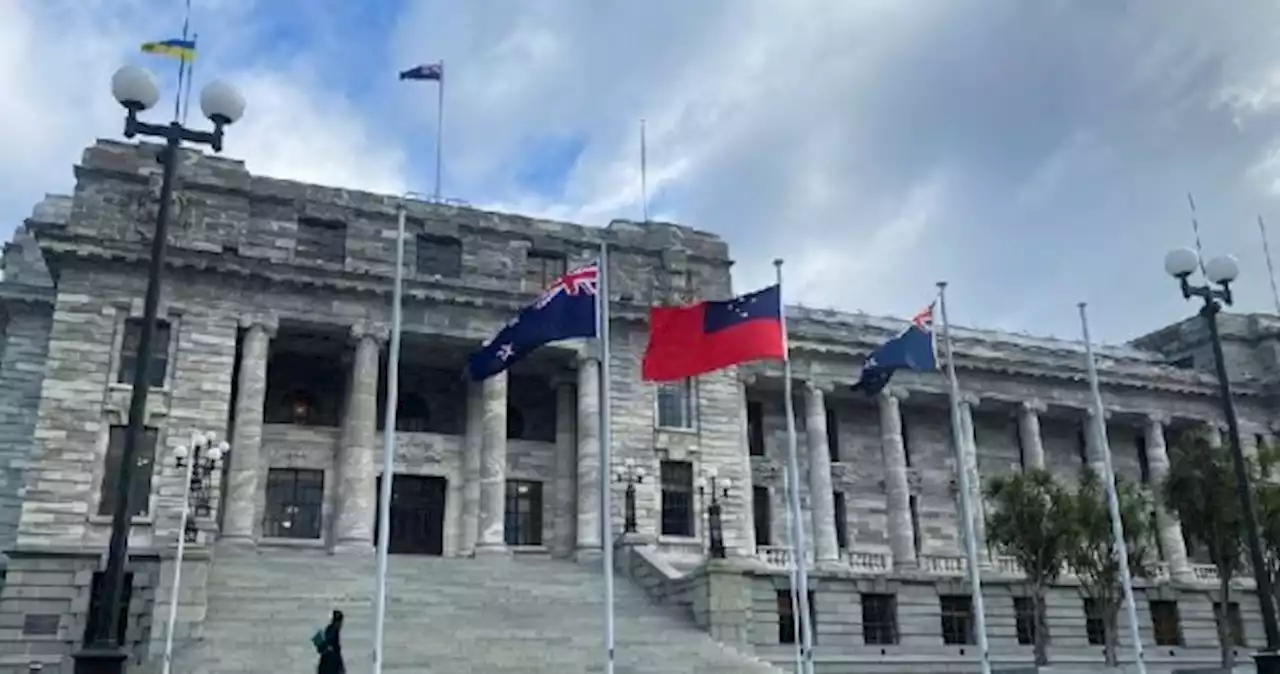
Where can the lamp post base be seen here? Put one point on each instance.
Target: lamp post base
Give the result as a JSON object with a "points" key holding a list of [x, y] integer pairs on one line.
{"points": [[101, 660], [1267, 662]]}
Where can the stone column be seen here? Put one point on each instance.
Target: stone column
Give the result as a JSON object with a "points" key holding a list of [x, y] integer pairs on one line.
{"points": [[1095, 433], [588, 496], [564, 509], [821, 500], [969, 455], [897, 483], [357, 474], [1029, 431], [246, 464], [746, 485], [472, 444], [493, 467], [1168, 529]]}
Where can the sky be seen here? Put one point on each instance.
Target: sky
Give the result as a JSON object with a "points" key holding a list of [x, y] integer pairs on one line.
{"points": [[1032, 154]]}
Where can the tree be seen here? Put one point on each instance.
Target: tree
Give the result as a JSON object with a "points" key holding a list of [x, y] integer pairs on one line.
{"points": [[1201, 489], [1025, 520], [1095, 558], [1267, 491]]}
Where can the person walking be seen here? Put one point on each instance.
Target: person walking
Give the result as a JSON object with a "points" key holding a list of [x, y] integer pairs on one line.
{"points": [[328, 643]]}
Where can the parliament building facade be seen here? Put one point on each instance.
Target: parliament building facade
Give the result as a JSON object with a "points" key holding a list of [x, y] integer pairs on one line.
{"points": [[275, 320]]}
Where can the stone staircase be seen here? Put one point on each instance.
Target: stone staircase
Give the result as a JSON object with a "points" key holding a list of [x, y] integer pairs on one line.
{"points": [[526, 615]]}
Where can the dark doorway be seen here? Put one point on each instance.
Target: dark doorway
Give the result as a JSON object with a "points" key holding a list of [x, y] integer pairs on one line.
{"points": [[417, 514]]}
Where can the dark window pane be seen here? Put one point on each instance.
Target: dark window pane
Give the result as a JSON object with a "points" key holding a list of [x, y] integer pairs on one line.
{"points": [[833, 435], [1024, 611], [762, 514], [842, 521], [755, 428], [1093, 626], [1165, 623], [295, 503], [159, 368], [957, 619], [879, 619], [439, 256], [541, 269], [95, 605], [1235, 623], [677, 498], [787, 620], [523, 513], [140, 494]]}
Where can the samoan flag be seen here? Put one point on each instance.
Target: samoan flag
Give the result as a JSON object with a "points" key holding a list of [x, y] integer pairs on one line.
{"points": [[565, 310], [913, 349]]}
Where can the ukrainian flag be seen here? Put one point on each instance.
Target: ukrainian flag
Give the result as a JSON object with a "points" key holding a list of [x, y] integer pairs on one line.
{"points": [[183, 50]]}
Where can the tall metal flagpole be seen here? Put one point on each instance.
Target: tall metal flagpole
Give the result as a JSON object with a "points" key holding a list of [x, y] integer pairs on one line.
{"points": [[962, 480], [389, 447], [1271, 270], [644, 174], [182, 67], [1113, 503], [177, 570], [606, 453], [798, 545], [191, 69], [791, 572], [439, 127]]}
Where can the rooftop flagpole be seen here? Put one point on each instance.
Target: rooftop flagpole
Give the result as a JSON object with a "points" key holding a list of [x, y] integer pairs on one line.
{"points": [[798, 545], [1099, 429], [439, 130], [644, 174], [962, 485], [606, 454]]}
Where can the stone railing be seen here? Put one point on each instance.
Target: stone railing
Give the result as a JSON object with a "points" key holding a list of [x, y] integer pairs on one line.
{"points": [[868, 562]]}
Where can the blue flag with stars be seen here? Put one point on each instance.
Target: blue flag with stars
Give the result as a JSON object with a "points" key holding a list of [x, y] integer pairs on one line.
{"points": [[565, 310], [912, 349]]}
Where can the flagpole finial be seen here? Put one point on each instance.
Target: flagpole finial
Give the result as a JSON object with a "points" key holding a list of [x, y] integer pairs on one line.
{"points": [[942, 285], [777, 262], [1082, 305]]}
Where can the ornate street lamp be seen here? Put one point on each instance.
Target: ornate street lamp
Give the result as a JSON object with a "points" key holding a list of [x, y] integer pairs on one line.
{"points": [[630, 475], [202, 460], [1222, 271], [136, 90], [707, 483]]}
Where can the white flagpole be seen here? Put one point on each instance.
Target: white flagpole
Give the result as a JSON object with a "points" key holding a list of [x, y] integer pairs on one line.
{"points": [[177, 561], [439, 127], [644, 174], [389, 447], [1099, 428], [791, 572], [962, 482], [798, 546], [606, 454]]}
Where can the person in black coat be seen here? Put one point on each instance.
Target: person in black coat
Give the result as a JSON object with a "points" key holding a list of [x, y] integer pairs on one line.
{"points": [[331, 654]]}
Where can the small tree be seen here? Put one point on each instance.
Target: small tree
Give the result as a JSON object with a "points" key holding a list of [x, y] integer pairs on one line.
{"points": [[1201, 489], [1025, 520], [1267, 491], [1095, 557]]}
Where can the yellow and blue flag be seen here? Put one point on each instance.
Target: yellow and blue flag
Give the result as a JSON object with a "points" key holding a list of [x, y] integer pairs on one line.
{"points": [[181, 49]]}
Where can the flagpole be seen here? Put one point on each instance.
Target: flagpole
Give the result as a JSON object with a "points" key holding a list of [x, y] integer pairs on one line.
{"points": [[962, 481], [791, 571], [439, 128], [606, 454], [389, 446], [799, 548], [1113, 503], [191, 69], [182, 66], [644, 174]]}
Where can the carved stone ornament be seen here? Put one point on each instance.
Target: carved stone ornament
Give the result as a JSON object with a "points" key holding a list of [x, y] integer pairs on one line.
{"points": [[146, 206], [768, 470]]}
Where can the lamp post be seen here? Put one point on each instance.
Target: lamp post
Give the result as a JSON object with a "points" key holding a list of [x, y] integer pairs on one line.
{"points": [[201, 460], [707, 482], [1222, 271], [630, 475], [136, 90]]}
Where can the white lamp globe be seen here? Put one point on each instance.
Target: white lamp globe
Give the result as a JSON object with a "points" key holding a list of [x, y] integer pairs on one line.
{"points": [[222, 103], [1181, 262], [180, 452], [1222, 269], [135, 88]]}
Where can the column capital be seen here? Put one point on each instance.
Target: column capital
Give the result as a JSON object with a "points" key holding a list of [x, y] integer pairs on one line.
{"points": [[1033, 406], [270, 323], [970, 399], [895, 394], [564, 378], [1089, 413], [369, 330], [1159, 417], [818, 387]]}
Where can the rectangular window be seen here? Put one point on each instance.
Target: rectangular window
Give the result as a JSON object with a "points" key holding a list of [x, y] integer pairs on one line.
{"points": [[321, 240], [917, 536], [1082, 444], [1165, 624], [295, 503], [842, 520], [755, 428], [1144, 466], [1235, 623], [159, 367], [762, 514], [140, 494], [524, 513], [675, 404], [1024, 612], [677, 498], [957, 619], [787, 618], [95, 605], [1017, 439], [906, 440], [438, 256], [1093, 627], [833, 435], [879, 619], [542, 269]]}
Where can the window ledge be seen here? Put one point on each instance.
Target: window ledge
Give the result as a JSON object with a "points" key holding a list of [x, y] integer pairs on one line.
{"points": [[669, 539], [119, 386], [528, 549], [676, 429], [138, 520], [291, 542]]}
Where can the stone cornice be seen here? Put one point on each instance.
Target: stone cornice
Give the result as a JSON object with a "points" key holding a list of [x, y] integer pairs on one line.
{"points": [[15, 292]]}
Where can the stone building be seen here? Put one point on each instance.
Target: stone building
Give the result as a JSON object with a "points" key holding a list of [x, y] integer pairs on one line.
{"points": [[275, 321]]}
